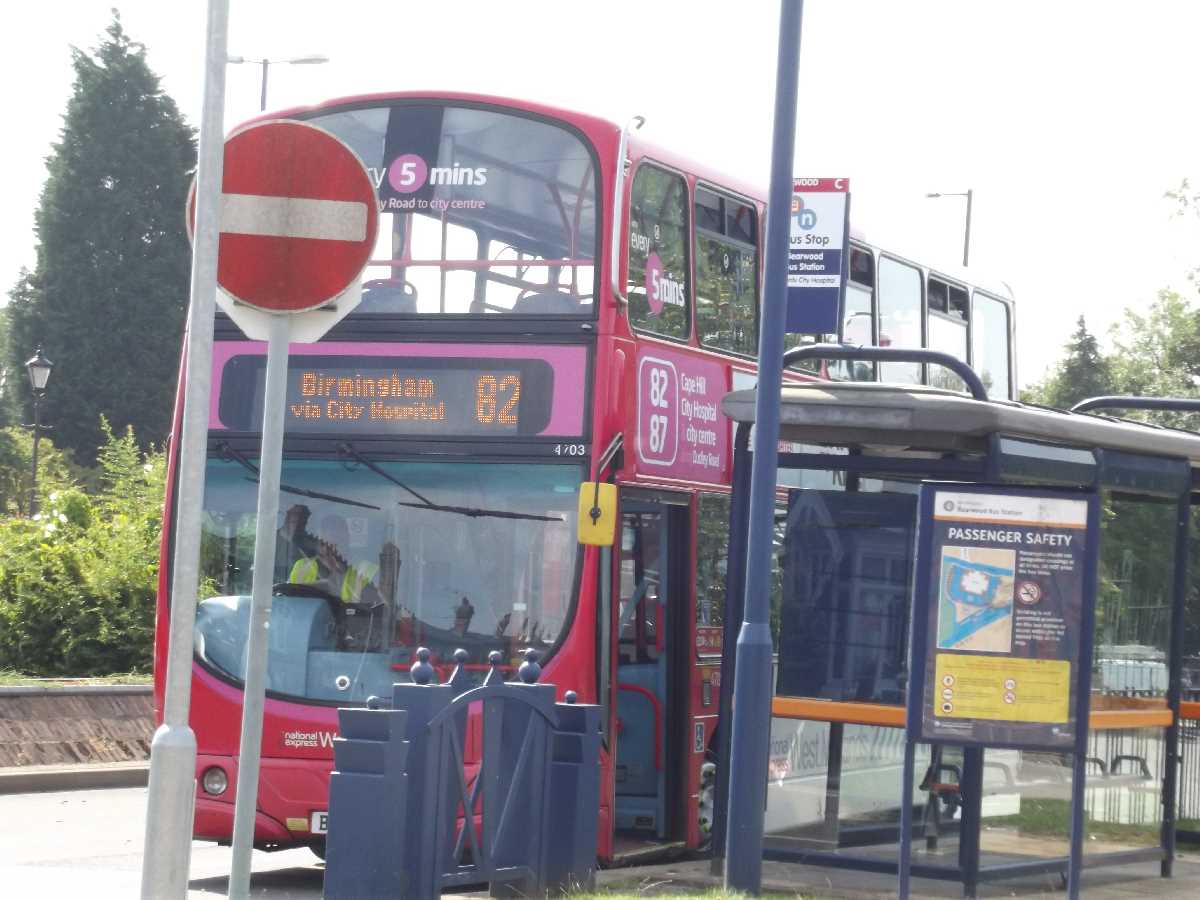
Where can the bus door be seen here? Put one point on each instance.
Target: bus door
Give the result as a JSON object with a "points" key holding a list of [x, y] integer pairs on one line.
{"points": [[653, 601]]}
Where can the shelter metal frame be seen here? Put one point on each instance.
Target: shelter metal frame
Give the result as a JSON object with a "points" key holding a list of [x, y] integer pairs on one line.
{"points": [[914, 433]]}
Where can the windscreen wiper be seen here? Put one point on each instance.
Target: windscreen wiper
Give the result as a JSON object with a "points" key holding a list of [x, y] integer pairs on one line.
{"points": [[348, 450], [228, 452], [476, 512], [472, 511]]}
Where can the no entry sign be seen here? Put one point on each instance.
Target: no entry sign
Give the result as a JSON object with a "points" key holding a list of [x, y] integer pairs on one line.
{"points": [[298, 217]]}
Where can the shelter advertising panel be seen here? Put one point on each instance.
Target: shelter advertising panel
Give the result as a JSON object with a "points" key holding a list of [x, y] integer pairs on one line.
{"points": [[1001, 613]]}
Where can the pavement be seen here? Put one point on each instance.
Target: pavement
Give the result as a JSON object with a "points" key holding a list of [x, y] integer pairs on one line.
{"points": [[79, 777], [108, 860], [692, 878]]}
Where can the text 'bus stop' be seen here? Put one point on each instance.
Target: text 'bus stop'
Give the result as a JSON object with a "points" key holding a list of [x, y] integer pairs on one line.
{"points": [[853, 458]]}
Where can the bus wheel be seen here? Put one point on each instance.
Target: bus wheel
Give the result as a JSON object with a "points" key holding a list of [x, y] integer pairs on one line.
{"points": [[317, 845]]}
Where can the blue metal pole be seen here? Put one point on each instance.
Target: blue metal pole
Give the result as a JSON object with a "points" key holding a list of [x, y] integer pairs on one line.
{"points": [[751, 725]]}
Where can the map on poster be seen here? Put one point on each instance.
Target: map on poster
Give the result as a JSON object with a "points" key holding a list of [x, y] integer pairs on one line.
{"points": [[975, 599]]}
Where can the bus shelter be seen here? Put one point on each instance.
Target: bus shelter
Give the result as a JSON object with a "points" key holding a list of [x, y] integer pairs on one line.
{"points": [[852, 458]]}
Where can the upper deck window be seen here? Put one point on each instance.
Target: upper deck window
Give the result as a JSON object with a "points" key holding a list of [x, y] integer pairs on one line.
{"points": [[947, 330], [481, 212], [726, 273], [990, 344], [899, 317], [658, 286]]}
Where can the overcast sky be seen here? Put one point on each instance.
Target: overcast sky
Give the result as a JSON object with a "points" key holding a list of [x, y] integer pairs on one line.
{"points": [[1069, 120]]}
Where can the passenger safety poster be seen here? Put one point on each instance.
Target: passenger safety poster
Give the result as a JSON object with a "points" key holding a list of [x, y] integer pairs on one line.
{"points": [[1001, 616]]}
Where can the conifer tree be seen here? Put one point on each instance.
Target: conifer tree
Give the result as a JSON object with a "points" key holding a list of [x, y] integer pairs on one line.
{"points": [[107, 299], [1083, 372]]}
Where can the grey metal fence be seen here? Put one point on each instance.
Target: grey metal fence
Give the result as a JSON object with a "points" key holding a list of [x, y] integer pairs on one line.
{"points": [[411, 815]]}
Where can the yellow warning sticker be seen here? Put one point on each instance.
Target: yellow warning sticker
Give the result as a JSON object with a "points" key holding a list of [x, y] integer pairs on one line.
{"points": [[1002, 689]]}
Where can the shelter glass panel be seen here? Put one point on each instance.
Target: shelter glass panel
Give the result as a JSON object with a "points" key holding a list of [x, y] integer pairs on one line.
{"points": [[844, 620], [1133, 605], [1026, 808], [855, 805]]}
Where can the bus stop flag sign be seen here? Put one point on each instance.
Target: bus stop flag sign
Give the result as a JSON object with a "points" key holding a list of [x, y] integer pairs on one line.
{"points": [[817, 254], [298, 222]]}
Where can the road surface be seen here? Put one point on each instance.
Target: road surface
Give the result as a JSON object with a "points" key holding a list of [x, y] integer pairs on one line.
{"points": [[88, 844]]}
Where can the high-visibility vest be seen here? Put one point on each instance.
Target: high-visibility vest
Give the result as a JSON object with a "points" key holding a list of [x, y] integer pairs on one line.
{"points": [[305, 571], [356, 579]]}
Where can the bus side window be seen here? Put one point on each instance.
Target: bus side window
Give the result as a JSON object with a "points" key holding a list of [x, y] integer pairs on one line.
{"points": [[712, 559], [858, 315], [990, 351], [726, 273], [947, 330], [899, 317], [658, 285]]}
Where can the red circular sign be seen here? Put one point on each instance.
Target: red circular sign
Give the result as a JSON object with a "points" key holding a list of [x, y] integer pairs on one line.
{"points": [[298, 217]]}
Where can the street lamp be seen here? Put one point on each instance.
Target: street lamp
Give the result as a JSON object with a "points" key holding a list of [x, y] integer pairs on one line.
{"points": [[969, 194], [38, 368], [313, 60]]}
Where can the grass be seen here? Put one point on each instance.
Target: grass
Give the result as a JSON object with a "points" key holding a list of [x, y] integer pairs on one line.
{"points": [[9, 678], [660, 889], [1053, 817]]}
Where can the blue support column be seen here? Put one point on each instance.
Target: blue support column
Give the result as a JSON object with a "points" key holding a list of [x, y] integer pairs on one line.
{"points": [[751, 725], [1183, 519], [735, 584]]}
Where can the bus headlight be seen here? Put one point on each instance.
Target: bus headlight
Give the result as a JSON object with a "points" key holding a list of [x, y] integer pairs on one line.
{"points": [[214, 781]]}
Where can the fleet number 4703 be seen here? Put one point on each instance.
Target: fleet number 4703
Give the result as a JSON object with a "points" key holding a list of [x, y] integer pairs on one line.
{"points": [[570, 450]]}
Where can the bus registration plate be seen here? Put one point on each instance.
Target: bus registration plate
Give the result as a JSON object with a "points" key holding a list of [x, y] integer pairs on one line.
{"points": [[320, 823]]}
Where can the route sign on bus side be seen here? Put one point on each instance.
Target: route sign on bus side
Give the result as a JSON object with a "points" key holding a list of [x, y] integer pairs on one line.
{"points": [[299, 216], [817, 254]]}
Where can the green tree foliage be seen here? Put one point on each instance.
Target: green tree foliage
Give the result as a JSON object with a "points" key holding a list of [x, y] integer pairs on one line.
{"points": [[107, 298], [77, 582], [1083, 372], [10, 379], [55, 470], [1155, 353]]}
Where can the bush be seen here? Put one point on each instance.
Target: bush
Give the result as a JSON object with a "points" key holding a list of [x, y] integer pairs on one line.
{"points": [[77, 582]]}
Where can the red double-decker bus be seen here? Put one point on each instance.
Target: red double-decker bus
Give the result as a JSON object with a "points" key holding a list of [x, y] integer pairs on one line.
{"points": [[552, 302]]}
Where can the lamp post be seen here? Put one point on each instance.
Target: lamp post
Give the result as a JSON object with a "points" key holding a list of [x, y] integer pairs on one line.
{"points": [[38, 368], [313, 60], [969, 194]]}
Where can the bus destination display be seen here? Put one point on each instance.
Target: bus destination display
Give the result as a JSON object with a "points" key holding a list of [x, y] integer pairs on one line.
{"points": [[431, 396]]}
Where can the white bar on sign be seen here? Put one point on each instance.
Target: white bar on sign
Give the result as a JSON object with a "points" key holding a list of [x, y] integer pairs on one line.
{"points": [[293, 217]]}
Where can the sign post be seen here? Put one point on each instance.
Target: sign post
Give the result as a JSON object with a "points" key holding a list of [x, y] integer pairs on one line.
{"points": [[1002, 630], [298, 222], [172, 788], [818, 255], [751, 725]]}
